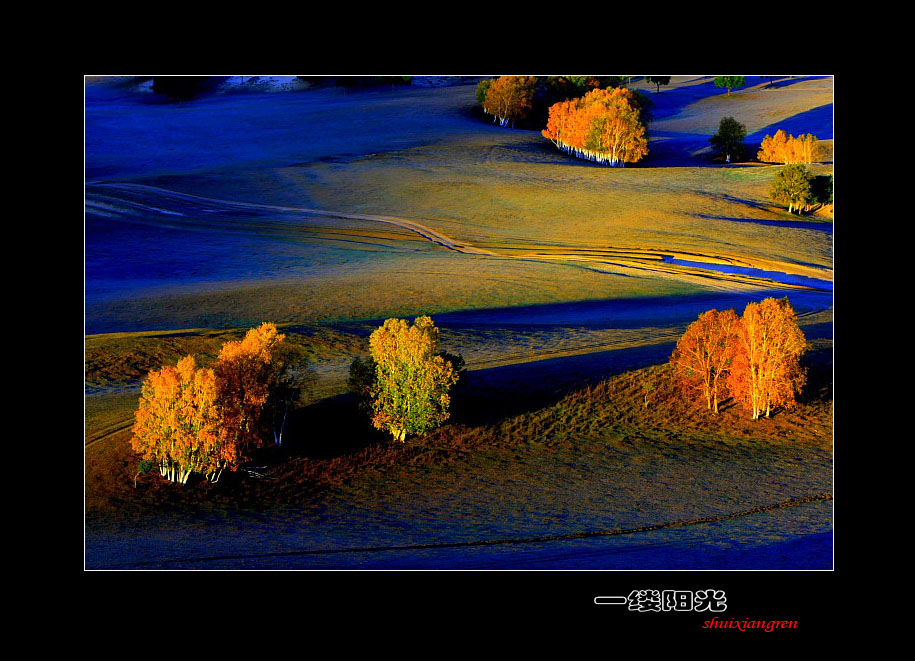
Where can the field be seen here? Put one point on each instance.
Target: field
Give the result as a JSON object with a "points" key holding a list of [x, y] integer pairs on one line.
{"points": [[565, 286]]}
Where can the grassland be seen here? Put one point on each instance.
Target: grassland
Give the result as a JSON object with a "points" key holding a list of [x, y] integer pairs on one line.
{"points": [[327, 213]]}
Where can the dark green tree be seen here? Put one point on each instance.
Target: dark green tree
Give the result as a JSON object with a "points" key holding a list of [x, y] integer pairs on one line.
{"points": [[362, 382], [482, 86], [610, 81], [822, 189], [731, 82], [658, 80], [729, 139], [793, 186]]}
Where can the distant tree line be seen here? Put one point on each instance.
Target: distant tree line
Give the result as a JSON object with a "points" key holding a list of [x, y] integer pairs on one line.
{"points": [[357, 81], [178, 87]]}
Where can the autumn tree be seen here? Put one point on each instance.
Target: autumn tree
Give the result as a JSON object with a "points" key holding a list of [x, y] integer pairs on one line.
{"points": [[765, 369], [730, 82], [729, 139], [208, 420], [509, 98], [605, 126], [703, 354], [255, 388], [786, 149], [410, 392], [658, 80], [178, 425], [793, 186]]}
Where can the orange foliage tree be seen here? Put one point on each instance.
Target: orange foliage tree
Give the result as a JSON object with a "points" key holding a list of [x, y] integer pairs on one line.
{"points": [[703, 353], [509, 98], [248, 375], [178, 424], [604, 126], [766, 371], [207, 420], [412, 380], [786, 149]]}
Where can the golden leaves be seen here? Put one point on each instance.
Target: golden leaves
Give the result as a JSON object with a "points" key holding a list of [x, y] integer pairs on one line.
{"points": [[786, 149], [759, 353], [204, 420], [604, 125], [411, 380]]}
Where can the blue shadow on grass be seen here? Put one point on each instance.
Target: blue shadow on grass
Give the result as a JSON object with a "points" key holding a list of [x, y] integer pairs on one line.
{"points": [[817, 121]]}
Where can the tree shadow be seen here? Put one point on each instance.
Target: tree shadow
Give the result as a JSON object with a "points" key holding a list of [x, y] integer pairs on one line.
{"points": [[821, 226], [329, 428], [494, 394], [337, 426], [787, 81], [819, 365], [817, 121]]}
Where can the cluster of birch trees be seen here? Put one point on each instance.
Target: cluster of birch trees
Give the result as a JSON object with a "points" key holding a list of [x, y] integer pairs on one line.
{"points": [[604, 126], [508, 98], [206, 420], [754, 358], [786, 149]]}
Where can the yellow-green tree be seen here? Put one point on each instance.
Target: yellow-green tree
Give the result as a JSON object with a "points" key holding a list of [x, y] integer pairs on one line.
{"points": [[412, 381], [793, 185]]}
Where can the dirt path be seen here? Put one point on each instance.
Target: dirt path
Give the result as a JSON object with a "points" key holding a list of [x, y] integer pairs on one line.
{"points": [[689, 266]]}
